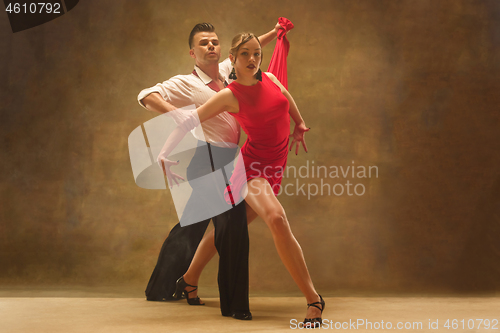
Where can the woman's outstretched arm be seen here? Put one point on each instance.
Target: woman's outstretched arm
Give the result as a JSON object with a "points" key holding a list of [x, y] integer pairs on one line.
{"points": [[222, 101], [300, 125]]}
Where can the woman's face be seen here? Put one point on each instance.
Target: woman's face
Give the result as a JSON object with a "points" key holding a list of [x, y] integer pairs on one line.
{"points": [[248, 58]]}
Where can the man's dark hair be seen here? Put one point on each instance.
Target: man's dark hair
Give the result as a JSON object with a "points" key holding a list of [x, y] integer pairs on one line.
{"points": [[200, 27]]}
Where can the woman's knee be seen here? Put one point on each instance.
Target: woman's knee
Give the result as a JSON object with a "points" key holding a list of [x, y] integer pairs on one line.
{"points": [[277, 222]]}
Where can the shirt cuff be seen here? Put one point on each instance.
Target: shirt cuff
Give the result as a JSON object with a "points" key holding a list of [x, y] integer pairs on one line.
{"points": [[146, 92]]}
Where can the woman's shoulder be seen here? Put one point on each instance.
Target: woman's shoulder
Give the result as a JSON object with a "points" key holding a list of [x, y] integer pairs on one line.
{"points": [[229, 99], [275, 80], [225, 91], [271, 76]]}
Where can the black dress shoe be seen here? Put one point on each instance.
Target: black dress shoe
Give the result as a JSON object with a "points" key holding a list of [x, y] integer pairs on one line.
{"points": [[242, 315]]}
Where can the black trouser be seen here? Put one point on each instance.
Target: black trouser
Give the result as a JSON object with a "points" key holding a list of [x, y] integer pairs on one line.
{"points": [[231, 241]]}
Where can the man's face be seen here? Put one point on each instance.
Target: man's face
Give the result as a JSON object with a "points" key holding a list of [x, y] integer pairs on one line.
{"points": [[206, 48]]}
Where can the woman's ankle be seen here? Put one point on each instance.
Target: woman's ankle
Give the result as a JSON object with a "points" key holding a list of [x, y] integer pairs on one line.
{"points": [[313, 298], [189, 279]]}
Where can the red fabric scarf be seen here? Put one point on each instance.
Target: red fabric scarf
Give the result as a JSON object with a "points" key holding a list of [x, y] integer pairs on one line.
{"points": [[277, 66]]}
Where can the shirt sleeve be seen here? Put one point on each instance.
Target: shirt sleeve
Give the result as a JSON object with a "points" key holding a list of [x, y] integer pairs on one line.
{"points": [[176, 91], [225, 69]]}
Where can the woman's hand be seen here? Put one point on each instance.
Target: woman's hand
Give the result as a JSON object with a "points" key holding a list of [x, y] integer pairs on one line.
{"points": [[171, 176], [277, 27], [186, 118], [298, 137], [189, 120]]}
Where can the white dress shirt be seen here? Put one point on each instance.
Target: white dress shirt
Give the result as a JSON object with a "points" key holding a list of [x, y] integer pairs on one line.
{"points": [[184, 90]]}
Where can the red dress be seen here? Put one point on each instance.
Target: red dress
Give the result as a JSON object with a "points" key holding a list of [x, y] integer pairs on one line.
{"points": [[263, 115]]}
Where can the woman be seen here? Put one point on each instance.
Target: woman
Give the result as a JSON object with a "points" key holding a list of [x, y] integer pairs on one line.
{"points": [[263, 108]]}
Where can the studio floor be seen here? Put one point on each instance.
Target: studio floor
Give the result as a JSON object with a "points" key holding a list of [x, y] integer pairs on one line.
{"points": [[277, 314]]}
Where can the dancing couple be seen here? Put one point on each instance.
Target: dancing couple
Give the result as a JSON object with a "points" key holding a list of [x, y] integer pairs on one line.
{"points": [[262, 106]]}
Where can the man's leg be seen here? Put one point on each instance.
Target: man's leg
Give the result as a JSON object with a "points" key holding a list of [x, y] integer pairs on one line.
{"points": [[231, 241], [174, 260], [180, 246]]}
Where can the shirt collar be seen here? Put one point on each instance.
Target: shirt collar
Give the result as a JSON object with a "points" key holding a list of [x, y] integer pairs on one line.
{"points": [[204, 77], [201, 74]]}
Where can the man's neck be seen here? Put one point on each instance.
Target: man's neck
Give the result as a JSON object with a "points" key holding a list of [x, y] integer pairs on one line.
{"points": [[212, 70]]}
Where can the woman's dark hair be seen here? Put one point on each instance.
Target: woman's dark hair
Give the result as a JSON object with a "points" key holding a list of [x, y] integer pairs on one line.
{"points": [[200, 27]]}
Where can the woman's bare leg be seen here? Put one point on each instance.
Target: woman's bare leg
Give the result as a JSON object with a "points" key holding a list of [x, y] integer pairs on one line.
{"points": [[262, 200], [204, 253]]}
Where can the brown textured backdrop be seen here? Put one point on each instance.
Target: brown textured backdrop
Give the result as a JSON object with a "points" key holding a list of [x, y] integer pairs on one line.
{"points": [[408, 86]]}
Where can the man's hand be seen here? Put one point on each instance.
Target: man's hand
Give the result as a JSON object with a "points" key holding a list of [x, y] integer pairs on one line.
{"points": [[298, 137]]}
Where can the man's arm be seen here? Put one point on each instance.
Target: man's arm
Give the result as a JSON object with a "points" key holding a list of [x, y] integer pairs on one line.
{"points": [[170, 95], [154, 102], [269, 36]]}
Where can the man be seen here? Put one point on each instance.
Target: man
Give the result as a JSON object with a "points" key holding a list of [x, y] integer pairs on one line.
{"points": [[220, 133]]}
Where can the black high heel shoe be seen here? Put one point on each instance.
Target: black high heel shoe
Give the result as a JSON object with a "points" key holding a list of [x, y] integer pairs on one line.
{"points": [[180, 288], [315, 322]]}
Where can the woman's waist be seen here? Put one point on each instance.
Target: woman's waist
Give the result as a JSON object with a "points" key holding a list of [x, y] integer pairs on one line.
{"points": [[275, 143], [265, 152]]}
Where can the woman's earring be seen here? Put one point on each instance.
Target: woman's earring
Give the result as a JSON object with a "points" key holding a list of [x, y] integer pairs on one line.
{"points": [[258, 76], [232, 76]]}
